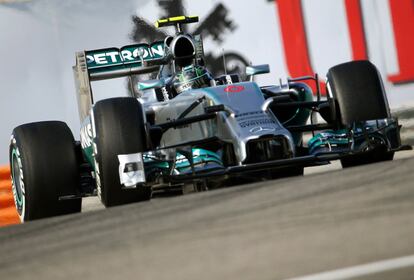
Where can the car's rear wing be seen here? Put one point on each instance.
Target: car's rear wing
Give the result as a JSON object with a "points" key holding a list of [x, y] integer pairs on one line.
{"points": [[109, 63]]}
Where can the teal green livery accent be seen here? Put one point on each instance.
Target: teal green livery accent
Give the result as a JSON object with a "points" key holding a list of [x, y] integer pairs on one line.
{"points": [[87, 141], [328, 139], [151, 162], [301, 115], [363, 135], [151, 84], [200, 156], [88, 152], [110, 59]]}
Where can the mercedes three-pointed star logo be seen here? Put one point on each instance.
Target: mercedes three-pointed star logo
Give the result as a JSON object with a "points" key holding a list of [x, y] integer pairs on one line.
{"points": [[259, 129]]}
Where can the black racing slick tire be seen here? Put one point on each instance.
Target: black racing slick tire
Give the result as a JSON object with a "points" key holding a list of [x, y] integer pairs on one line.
{"points": [[358, 93], [44, 170], [120, 129]]}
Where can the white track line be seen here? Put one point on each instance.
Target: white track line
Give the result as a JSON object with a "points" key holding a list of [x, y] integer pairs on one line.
{"points": [[361, 270]]}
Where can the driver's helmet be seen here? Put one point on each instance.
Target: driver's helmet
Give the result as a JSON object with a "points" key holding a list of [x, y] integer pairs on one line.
{"points": [[191, 77]]}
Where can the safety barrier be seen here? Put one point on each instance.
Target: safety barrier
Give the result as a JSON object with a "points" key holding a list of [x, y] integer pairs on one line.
{"points": [[8, 213]]}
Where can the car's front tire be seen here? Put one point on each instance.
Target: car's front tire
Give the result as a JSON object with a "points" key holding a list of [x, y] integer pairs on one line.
{"points": [[358, 95], [44, 169], [119, 128]]}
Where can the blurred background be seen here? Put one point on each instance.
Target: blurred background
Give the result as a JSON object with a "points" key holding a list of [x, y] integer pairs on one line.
{"points": [[39, 38]]}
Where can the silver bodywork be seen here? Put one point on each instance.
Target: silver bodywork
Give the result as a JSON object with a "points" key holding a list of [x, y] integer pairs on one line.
{"points": [[243, 121], [246, 116]]}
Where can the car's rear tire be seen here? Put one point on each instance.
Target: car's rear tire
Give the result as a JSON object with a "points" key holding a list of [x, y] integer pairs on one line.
{"points": [[358, 94], [120, 129], [44, 168]]}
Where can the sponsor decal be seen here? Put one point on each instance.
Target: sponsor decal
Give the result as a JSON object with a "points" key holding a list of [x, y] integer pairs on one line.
{"points": [[131, 170], [248, 114], [233, 88], [97, 178], [86, 136], [124, 56], [18, 188], [257, 122], [95, 153], [253, 118]]}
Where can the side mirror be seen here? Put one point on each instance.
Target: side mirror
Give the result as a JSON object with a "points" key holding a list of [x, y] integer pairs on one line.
{"points": [[144, 85], [257, 70]]}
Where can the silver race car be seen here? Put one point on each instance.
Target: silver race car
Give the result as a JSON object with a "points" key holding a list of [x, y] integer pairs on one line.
{"points": [[186, 130]]}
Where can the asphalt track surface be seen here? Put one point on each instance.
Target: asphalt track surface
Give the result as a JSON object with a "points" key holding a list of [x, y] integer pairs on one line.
{"points": [[280, 229]]}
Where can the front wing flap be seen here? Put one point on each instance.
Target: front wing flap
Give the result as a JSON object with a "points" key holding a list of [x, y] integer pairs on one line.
{"points": [[304, 161]]}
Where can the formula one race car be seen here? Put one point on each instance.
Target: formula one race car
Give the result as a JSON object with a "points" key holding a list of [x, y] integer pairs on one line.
{"points": [[189, 131]]}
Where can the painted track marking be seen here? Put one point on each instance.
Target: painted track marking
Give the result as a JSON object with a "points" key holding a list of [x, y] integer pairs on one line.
{"points": [[361, 270]]}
